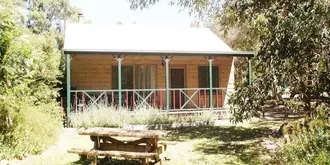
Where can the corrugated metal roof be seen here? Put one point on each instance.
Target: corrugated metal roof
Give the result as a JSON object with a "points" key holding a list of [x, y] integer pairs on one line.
{"points": [[140, 39]]}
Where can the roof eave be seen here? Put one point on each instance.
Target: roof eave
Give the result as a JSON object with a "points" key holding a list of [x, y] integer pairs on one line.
{"points": [[170, 53]]}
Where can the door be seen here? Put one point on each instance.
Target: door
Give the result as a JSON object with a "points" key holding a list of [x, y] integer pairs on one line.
{"points": [[177, 81]]}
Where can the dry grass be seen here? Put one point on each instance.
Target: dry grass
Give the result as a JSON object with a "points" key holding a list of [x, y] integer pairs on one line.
{"points": [[209, 145]]}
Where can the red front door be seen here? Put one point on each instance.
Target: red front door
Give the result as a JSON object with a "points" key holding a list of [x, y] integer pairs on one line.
{"points": [[177, 81]]}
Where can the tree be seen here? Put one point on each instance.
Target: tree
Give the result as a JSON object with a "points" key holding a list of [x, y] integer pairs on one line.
{"points": [[238, 38], [29, 63], [46, 15], [294, 50], [30, 59]]}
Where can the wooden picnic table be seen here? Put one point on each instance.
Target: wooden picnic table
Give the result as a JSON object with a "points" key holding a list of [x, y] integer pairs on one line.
{"points": [[115, 142]]}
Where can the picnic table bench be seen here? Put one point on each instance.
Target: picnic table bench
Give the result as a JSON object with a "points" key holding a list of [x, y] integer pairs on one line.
{"points": [[115, 142]]}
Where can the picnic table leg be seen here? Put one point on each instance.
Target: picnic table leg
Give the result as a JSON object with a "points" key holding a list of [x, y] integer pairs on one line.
{"points": [[157, 158], [83, 157], [145, 161], [96, 140], [109, 158], [94, 160]]}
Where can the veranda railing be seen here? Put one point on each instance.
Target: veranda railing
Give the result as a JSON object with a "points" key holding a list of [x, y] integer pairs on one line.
{"points": [[180, 99]]}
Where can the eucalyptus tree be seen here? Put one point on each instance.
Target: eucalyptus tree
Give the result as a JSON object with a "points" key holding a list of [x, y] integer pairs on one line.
{"points": [[46, 15], [294, 47]]}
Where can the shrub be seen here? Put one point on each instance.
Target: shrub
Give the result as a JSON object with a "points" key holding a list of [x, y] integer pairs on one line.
{"points": [[306, 148], [33, 129], [106, 116], [29, 72]]}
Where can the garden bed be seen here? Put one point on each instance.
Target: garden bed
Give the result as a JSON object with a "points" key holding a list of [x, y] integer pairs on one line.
{"points": [[144, 118]]}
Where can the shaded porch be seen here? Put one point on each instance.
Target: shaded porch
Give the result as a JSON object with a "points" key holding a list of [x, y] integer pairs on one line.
{"points": [[167, 83]]}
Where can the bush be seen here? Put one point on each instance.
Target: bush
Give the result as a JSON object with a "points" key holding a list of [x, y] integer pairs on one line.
{"points": [[111, 117], [29, 72], [33, 129], [306, 148]]}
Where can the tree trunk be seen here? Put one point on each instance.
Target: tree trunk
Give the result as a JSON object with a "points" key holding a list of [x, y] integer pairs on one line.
{"points": [[307, 106]]}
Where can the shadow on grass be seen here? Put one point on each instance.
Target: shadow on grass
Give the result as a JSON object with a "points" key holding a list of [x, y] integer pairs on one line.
{"points": [[274, 124], [240, 142], [278, 116], [247, 152], [220, 133]]}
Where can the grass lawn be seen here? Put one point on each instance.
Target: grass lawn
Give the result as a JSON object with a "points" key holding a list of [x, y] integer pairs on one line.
{"points": [[209, 145]]}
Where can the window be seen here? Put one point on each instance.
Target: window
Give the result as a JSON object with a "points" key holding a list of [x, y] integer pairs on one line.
{"points": [[203, 77], [126, 77], [137, 76], [145, 76]]}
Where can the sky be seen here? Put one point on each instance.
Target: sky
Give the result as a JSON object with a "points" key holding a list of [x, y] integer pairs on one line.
{"points": [[112, 11]]}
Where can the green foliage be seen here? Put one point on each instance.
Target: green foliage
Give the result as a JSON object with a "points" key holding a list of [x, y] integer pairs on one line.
{"points": [[305, 126], [45, 13], [28, 113], [294, 44], [29, 68], [33, 129], [249, 99], [308, 141], [309, 148], [199, 8], [320, 122], [111, 117], [322, 111]]}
